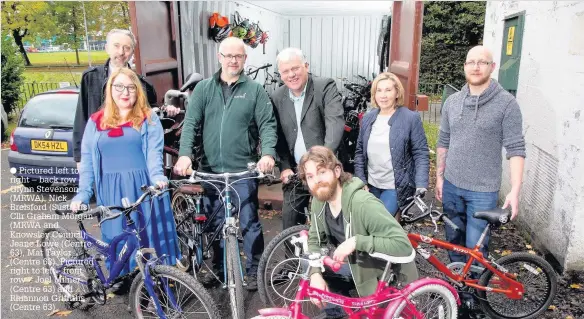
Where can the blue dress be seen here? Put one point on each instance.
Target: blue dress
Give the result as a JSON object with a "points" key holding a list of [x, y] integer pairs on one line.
{"points": [[123, 171]]}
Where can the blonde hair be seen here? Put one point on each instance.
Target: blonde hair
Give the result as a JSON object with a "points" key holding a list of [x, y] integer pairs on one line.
{"points": [[323, 157], [111, 115], [397, 84]]}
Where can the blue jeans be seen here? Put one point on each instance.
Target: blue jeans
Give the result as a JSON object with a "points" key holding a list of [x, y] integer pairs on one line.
{"points": [[387, 196], [460, 205], [249, 221]]}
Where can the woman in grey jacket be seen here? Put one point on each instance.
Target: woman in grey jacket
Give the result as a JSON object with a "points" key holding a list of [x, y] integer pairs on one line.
{"points": [[392, 152]]}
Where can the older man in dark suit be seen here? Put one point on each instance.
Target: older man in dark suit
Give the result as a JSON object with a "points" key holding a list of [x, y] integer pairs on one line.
{"points": [[309, 112]]}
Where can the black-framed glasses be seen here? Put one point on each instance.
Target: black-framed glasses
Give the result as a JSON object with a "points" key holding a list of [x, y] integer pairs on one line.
{"points": [[120, 88], [475, 63], [230, 57]]}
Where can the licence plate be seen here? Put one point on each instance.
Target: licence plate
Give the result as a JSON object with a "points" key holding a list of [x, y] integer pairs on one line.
{"points": [[51, 146]]}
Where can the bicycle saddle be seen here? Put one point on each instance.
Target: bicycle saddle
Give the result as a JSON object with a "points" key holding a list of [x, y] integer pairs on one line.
{"points": [[393, 259], [191, 189], [495, 217]]}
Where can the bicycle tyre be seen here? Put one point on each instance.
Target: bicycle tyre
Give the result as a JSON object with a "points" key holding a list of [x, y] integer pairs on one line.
{"points": [[551, 279], [181, 204], [80, 253], [234, 278], [178, 276], [452, 307], [263, 273]]}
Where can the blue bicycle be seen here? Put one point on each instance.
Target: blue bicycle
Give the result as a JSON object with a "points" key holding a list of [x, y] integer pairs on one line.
{"points": [[75, 263]]}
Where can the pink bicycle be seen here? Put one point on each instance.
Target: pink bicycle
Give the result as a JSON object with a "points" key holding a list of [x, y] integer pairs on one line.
{"points": [[421, 299]]}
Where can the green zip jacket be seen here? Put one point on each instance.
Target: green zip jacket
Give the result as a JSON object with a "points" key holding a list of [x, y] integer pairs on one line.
{"points": [[375, 230], [230, 130]]}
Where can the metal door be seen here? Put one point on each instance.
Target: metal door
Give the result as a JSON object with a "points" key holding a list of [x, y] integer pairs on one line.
{"points": [[157, 56], [406, 43], [511, 52]]}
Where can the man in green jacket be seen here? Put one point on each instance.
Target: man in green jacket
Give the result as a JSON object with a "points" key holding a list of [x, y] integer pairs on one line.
{"points": [[352, 220], [234, 112]]}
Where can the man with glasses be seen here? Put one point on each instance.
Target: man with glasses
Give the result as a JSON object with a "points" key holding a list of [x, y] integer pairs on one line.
{"points": [[309, 112], [119, 46], [477, 123], [234, 112]]}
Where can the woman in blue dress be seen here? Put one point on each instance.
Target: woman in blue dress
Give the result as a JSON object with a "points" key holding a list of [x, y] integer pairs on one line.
{"points": [[121, 151]]}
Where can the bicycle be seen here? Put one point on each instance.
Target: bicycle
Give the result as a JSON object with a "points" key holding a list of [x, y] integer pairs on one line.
{"points": [[173, 127], [193, 226], [269, 79], [156, 288], [386, 302], [501, 288]]}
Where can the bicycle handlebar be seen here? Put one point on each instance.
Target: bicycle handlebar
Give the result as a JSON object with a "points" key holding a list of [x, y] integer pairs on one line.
{"points": [[329, 262], [426, 211], [160, 112], [106, 211], [251, 169]]}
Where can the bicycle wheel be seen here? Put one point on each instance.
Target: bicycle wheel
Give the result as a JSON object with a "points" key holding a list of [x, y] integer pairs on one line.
{"points": [[538, 278], [183, 208], [62, 244], [432, 301], [234, 278], [171, 284], [285, 277], [278, 250]]}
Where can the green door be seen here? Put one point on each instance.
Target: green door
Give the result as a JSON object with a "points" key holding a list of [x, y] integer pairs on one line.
{"points": [[511, 53]]}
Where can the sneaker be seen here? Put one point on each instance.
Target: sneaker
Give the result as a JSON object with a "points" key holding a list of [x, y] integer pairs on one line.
{"points": [[210, 278], [252, 283], [121, 288]]}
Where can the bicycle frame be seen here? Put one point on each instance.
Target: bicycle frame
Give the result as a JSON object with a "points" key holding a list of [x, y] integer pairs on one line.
{"points": [[132, 242], [229, 225], [356, 308], [510, 287]]}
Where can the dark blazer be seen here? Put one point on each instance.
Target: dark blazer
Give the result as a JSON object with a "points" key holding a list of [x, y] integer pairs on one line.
{"points": [[408, 148], [322, 121]]}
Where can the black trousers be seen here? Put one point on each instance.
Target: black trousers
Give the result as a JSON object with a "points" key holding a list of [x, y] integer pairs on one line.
{"points": [[295, 204]]}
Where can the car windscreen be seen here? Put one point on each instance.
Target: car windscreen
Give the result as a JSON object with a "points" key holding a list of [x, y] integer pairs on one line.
{"points": [[50, 111]]}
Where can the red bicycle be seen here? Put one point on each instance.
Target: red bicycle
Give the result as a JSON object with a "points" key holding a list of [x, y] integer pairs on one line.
{"points": [[423, 298], [519, 285]]}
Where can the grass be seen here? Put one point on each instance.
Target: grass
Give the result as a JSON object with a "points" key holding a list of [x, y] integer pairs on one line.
{"points": [[432, 131], [58, 58], [34, 76]]}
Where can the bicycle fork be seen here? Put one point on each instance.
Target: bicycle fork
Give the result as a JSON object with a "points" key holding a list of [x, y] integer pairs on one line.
{"points": [[230, 228], [149, 281]]}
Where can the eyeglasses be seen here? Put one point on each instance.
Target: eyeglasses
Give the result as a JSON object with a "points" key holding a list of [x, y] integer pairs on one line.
{"points": [[120, 88], [480, 63], [230, 57]]}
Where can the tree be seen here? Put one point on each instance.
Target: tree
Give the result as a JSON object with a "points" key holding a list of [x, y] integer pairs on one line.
{"points": [[101, 16], [12, 68], [69, 19], [450, 30], [26, 20], [107, 15]]}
